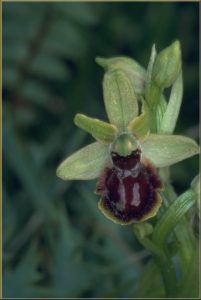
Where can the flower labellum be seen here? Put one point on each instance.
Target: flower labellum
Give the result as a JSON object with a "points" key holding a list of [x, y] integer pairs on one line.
{"points": [[129, 187]]}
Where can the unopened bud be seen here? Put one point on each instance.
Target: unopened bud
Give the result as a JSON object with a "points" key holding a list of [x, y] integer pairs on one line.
{"points": [[167, 66]]}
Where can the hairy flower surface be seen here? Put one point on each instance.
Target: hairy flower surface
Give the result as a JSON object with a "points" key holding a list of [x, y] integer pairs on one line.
{"points": [[129, 188]]}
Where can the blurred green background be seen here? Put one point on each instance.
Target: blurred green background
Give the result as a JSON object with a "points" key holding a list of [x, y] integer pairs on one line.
{"points": [[56, 243]]}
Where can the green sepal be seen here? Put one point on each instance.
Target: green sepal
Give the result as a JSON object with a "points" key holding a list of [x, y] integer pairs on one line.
{"points": [[120, 98], [101, 131], [134, 70], [165, 150], [84, 164]]}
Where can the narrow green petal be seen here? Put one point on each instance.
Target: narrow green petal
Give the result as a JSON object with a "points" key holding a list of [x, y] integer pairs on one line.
{"points": [[172, 216], [172, 112], [100, 130], [134, 70], [165, 150], [120, 99], [146, 122], [140, 126], [84, 164]]}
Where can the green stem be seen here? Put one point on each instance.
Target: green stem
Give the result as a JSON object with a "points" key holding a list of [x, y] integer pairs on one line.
{"points": [[152, 99], [169, 276], [164, 264], [153, 248]]}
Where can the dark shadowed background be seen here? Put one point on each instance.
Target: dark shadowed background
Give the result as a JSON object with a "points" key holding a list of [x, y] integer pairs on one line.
{"points": [[56, 243]]}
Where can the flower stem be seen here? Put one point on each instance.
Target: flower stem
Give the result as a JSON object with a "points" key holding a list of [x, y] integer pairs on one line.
{"points": [[169, 276], [164, 264]]}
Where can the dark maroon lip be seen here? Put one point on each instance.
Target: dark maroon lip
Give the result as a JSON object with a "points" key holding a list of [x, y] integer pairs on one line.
{"points": [[128, 189], [126, 163]]}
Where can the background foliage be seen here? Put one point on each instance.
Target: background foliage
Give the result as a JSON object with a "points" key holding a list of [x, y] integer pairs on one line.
{"points": [[56, 243]]}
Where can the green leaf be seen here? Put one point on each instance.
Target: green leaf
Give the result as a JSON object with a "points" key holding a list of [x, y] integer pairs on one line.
{"points": [[84, 164], [172, 112], [10, 76], [19, 282], [167, 65], [100, 130], [69, 276], [73, 41], [15, 53], [83, 13], [42, 97], [195, 186], [133, 69], [189, 286], [172, 216], [147, 288], [20, 163], [49, 67], [165, 150], [120, 99], [9, 219], [185, 238]]}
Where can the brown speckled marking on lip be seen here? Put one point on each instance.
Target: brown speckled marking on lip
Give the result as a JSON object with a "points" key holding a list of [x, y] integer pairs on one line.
{"points": [[126, 194]]}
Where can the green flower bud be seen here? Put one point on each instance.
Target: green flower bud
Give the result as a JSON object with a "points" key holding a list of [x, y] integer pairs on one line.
{"points": [[167, 66], [143, 230]]}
